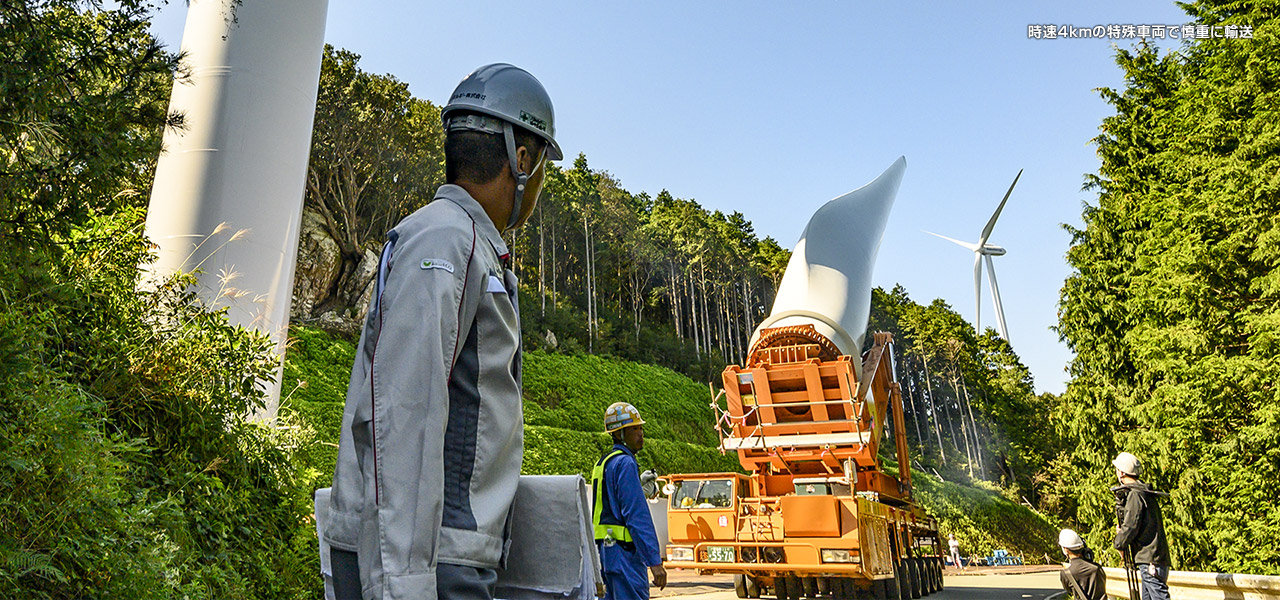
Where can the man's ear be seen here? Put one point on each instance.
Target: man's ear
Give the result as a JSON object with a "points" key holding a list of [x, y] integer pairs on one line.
{"points": [[525, 158]]}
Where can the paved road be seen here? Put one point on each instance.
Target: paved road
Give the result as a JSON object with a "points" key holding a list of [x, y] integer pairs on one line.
{"points": [[991, 586]]}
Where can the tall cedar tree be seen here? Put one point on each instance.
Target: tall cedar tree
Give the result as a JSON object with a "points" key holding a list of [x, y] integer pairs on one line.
{"points": [[1173, 309]]}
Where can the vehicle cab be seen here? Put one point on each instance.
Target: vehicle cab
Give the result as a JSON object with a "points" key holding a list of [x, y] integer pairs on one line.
{"points": [[704, 508]]}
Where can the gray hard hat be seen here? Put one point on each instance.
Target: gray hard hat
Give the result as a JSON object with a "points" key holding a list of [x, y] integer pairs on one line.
{"points": [[510, 94]]}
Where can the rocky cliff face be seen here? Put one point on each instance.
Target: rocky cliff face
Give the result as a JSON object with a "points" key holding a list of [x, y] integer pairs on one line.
{"points": [[330, 290]]}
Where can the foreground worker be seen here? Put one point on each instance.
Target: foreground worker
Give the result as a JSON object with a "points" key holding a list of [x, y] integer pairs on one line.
{"points": [[432, 434], [1082, 578], [624, 528], [1140, 528]]}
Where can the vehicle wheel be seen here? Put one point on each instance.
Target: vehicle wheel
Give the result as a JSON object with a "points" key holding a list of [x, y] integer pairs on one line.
{"points": [[740, 585], [753, 587], [780, 588], [908, 575], [885, 589], [913, 578], [926, 566], [917, 565], [935, 566], [942, 578], [904, 581], [849, 587], [810, 585], [795, 589]]}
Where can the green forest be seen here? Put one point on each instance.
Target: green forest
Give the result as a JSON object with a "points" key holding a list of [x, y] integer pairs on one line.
{"points": [[127, 468]]}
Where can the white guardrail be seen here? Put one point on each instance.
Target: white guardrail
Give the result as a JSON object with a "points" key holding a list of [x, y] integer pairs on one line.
{"points": [[1192, 585]]}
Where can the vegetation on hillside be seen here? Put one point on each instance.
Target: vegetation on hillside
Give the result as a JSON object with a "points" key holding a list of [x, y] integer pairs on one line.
{"points": [[1173, 309], [969, 409], [564, 401], [127, 469]]}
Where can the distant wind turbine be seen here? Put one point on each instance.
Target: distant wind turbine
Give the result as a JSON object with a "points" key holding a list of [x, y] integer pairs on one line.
{"points": [[983, 250]]}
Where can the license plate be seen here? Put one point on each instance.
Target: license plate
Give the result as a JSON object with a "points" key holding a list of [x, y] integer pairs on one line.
{"points": [[720, 554]]}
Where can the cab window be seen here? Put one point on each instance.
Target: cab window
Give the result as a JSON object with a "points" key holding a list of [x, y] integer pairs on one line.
{"points": [[703, 494]]}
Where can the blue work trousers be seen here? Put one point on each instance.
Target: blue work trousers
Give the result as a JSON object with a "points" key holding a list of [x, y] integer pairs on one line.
{"points": [[622, 586], [1155, 580], [625, 575]]}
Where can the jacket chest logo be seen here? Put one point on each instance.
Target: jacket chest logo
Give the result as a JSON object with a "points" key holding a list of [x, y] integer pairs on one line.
{"points": [[437, 263]]}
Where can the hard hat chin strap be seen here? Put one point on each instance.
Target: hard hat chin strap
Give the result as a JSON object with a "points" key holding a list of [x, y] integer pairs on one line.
{"points": [[522, 179]]}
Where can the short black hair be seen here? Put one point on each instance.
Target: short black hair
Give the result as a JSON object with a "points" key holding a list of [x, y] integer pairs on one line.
{"points": [[478, 157]]}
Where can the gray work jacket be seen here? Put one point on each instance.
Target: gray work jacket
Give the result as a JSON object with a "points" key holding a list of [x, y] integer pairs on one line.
{"points": [[432, 434]]}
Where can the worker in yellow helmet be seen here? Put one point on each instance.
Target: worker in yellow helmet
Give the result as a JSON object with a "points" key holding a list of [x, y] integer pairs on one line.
{"points": [[624, 530]]}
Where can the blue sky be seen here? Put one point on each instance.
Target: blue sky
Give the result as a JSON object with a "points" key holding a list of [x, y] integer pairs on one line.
{"points": [[772, 109]]}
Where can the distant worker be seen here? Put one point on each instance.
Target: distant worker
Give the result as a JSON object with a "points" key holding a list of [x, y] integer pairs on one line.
{"points": [[431, 441], [1140, 528], [624, 528], [954, 547], [1082, 578]]}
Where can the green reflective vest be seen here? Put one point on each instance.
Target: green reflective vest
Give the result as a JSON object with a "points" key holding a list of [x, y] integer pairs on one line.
{"points": [[604, 532]]}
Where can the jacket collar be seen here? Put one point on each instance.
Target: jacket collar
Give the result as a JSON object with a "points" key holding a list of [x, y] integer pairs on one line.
{"points": [[458, 195], [624, 448]]}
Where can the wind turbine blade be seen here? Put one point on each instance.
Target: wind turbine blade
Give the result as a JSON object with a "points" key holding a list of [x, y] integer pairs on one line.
{"points": [[977, 292], [995, 298], [972, 247], [986, 231]]}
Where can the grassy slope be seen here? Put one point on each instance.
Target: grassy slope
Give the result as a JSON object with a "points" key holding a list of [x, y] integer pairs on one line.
{"points": [[983, 520], [564, 398]]}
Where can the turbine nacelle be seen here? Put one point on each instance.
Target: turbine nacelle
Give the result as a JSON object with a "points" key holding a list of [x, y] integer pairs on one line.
{"points": [[991, 250]]}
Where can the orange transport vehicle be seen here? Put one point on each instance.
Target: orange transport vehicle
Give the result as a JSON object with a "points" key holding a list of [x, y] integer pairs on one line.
{"points": [[816, 515]]}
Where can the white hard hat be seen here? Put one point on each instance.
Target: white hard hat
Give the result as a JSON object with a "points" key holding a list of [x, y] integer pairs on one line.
{"points": [[1070, 540], [1128, 464]]}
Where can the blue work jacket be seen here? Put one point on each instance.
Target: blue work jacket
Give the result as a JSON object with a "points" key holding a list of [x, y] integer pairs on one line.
{"points": [[625, 504]]}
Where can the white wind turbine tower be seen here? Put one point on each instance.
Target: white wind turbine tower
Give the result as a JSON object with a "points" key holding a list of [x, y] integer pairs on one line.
{"points": [[982, 250]]}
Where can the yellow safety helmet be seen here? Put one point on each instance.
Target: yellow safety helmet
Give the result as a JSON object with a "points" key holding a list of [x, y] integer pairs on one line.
{"points": [[621, 415]]}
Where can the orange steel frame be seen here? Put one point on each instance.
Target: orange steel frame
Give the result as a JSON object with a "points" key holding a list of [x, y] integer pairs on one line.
{"points": [[795, 389]]}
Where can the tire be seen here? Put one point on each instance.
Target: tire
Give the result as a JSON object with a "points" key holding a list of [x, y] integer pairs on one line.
{"points": [[810, 587], [921, 576], [850, 588], [740, 585], [913, 578], [780, 588], [942, 579], [904, 581], [931, 582], [885, 589], [753, 587], [795, 589]]}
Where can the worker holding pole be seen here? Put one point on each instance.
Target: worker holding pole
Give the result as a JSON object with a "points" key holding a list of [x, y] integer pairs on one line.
{"points": [[624, 529], [1140, 529], [431, 442]]}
